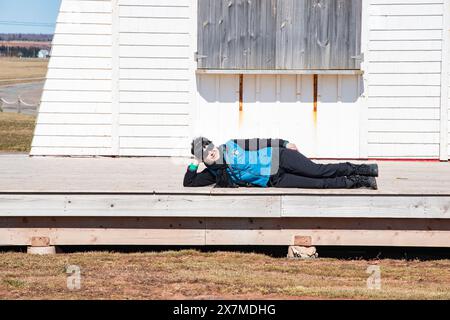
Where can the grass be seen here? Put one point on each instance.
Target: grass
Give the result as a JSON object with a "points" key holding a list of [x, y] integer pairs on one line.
{"points": [[15, 70], [190, 274], [16, 132]]}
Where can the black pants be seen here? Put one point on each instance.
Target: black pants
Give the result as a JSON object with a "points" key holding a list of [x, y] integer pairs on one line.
{"points": [[297, 171]]}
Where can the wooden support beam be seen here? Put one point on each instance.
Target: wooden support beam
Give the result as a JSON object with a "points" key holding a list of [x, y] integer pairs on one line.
{"points": [[304, 232]]}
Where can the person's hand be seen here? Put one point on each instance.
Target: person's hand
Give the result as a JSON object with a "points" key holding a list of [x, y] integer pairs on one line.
{"points": [[291, 146]]}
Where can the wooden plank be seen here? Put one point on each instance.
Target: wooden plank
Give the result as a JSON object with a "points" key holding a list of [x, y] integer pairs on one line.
{"points": [[82, 39], [153, 131], [103, 231], [80, 96], [405, 67], [404, 137], [155, 74], [346, 207], [154, 119], [81, 51], [229, 206], [268, 72], [83, 29], [139, 206], [404, 113], [79, 74], [77, 85], [84, 18], [405, 22], [404, 91], [154, 25], [80, 63], [418, 9], [70, 151], [225, 231], [74, 107], [72, 129], [404, 125], [154, 96], [154, 142], [154, 63], [404, 35], [411, 79], [141, 39], [73, 142], [151, 108], [404, 102], [155, 85], [155, 51], [405, 45], [397, 150], [173, 3], [403, 56], [328, 231], [155, 12]]}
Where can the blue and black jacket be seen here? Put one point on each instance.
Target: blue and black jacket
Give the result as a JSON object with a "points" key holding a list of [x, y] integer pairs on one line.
{"points": [[248, 162]]}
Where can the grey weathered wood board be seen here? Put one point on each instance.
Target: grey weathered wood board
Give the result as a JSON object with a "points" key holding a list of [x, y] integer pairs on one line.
{"points": [[279, 34]]}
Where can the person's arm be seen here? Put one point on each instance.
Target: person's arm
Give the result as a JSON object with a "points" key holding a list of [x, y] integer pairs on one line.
{"points": [[194, 179], [257, 143]]}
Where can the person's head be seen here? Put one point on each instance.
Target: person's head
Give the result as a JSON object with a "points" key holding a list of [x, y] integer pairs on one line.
{"points": [[204, 150]]}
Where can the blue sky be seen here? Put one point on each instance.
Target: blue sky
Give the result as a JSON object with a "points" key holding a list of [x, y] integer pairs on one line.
{"points": [[28, 16]]}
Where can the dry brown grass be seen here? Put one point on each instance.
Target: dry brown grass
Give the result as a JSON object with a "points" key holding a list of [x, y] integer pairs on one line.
{"points": [[15, 70], [191, 274], [16, 132]]}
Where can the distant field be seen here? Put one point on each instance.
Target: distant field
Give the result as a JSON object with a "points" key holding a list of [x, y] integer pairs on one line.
{"points": [[16, 132], [15, 70], [190, 274], [26, 44]]}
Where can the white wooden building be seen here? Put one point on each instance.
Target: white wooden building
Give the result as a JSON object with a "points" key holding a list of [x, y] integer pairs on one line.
{"points": [[123, 80]]}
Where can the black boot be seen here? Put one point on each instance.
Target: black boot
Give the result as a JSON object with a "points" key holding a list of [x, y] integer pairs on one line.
{"points": [[354, 182], [370, 170]]}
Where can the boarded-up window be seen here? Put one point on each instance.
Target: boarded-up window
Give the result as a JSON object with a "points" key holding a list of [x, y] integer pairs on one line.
{"points": [[279, 34]]}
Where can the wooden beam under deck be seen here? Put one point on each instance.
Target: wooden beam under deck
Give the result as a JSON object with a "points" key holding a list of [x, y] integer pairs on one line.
{"points": [[17, 231]]}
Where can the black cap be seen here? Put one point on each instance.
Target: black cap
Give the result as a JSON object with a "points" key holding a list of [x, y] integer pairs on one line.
{"points": [[199, 145]]}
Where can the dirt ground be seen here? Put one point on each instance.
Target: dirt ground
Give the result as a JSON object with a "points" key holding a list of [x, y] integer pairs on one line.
{"points": [[191, 274]]}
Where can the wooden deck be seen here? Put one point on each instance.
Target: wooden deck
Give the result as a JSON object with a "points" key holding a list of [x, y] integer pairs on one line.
{"points": [[78, 201]]}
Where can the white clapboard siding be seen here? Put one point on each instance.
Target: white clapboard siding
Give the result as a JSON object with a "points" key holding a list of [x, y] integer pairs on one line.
{"points": [[75, 114], [77, 107], [81, 51], [77, 85], [281, 106], [82, 29], [143, 39], [156, 72], [153, 63], [82, 40], [79, 74], [405, 45], [80, 63], [404, 63], [123, 78], [71, 151], [151, 108], [84, 17]]}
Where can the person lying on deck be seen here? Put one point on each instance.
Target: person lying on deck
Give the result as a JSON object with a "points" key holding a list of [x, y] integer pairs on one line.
{"points": [[270, 163]]}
